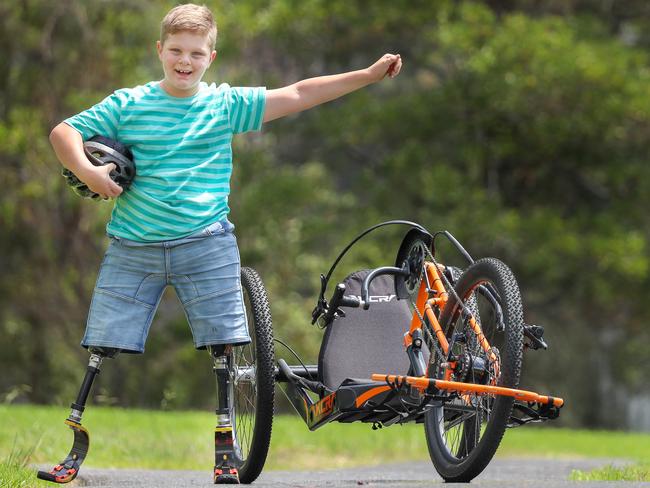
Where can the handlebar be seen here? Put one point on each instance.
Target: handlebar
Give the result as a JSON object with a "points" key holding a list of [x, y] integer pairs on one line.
{"points": [[386, 270]]}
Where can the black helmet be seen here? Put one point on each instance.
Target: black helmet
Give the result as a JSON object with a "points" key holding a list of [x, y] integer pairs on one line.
{"points": [[101, 151]]}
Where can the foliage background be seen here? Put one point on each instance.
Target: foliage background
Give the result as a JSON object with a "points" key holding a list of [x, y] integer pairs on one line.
{"points": [[521, 126]]}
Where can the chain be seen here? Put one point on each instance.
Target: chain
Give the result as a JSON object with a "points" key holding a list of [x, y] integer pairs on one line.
{"points": [[433, 341], [493, 355], [493, 352], [448, 285], [450, 289]]}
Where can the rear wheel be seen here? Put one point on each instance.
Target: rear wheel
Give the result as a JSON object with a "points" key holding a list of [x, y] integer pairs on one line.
{"points": [[463, 434], [253, 382]]}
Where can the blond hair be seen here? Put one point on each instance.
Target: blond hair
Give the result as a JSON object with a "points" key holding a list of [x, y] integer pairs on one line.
{"points": [[189, 18]]}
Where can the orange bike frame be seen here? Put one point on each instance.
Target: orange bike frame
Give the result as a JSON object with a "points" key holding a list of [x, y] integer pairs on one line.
{"points": [[432, 284]]}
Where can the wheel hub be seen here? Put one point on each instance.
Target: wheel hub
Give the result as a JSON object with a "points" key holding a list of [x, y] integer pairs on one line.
{"points": [[244, 374]]}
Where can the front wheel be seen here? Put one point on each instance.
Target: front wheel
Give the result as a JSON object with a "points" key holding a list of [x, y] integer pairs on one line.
{"points": [[254, 381], [486, 318]]}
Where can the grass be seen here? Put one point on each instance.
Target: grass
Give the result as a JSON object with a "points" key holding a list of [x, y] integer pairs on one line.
{"points": [[14, 472], [635, 472], [546, 441], [584, 443], [183, 440]]}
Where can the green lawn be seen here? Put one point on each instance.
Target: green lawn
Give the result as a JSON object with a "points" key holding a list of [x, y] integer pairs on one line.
{"points": [[183, 440], [635, 472]]}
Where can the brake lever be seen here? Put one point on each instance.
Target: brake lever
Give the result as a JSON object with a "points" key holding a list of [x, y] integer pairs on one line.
{"points": [[321, 305]]}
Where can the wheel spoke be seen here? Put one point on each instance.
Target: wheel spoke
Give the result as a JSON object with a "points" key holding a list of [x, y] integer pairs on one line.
{"points": [[245, 391]]}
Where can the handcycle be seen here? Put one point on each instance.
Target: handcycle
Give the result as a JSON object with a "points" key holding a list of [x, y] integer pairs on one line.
{"points": [[418, 341], [456, 369]]}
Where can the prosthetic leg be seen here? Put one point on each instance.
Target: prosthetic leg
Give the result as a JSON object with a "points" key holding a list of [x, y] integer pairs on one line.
{"points": [[67, 470], [227, 461]]}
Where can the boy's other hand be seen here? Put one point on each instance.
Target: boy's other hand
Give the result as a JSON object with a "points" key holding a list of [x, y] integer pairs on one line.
{"points": [[388, 64], [98, 180]]}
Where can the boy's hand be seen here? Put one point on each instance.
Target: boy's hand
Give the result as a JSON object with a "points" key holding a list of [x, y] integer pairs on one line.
{"points": [[98, 180], [388, 64]]}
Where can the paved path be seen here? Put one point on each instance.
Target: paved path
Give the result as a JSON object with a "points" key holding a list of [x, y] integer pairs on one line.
{"points": [[502, 473]]}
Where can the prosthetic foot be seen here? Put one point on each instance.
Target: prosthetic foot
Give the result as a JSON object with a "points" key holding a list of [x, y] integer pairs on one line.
{"points": [[226, 459], [67, 470]]}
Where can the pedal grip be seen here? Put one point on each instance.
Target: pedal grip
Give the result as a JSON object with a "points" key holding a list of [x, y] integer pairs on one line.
{"points": [[537, 330], [535, 333], [43, 475]]}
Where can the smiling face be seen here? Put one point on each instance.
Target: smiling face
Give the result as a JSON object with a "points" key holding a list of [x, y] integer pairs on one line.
{"points": [[185, 57]]}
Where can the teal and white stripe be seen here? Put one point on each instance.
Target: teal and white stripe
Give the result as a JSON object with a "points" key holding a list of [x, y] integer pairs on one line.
{"points": [[182, 151]]}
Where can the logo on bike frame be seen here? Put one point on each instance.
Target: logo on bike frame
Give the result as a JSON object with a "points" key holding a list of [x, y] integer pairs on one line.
{"points": [[323, 407], [379, 298]]}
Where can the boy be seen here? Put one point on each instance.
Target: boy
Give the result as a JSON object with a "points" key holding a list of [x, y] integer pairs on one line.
{"points": [[171, 226]]}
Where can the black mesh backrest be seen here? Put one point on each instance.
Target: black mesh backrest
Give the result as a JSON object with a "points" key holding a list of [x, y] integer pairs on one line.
{"points": [[366, 341]]}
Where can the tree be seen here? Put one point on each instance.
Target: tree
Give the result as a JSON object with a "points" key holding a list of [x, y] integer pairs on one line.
{"points": [[521, 127]]}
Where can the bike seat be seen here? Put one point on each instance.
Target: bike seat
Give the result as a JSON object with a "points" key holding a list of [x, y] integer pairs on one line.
{"points": [[366, 341]]}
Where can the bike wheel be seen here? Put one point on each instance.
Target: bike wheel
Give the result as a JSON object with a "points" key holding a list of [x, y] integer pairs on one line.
{"points": [[253, 384], [463, 434]]}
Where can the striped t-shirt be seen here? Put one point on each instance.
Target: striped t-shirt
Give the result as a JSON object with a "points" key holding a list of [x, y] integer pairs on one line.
{"points": [[182, 152]]}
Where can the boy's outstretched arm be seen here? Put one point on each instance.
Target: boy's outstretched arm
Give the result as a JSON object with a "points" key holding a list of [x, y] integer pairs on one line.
{"points": [[314, 91]]}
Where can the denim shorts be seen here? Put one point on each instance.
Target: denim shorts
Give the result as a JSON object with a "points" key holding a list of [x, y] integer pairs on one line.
{"points": [[203, 268]]}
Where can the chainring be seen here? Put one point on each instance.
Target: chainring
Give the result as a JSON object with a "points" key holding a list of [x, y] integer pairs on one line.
{"points": [[415, 260]]}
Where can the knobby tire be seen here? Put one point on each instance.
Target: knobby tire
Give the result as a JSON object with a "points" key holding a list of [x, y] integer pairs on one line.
{"points": [[483, 429], [261, 352]]}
